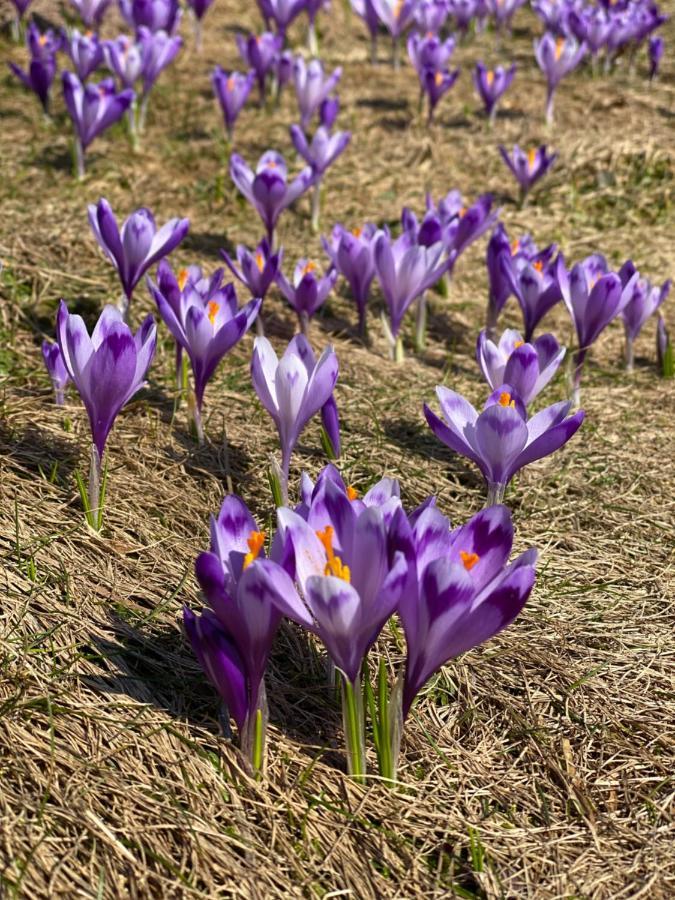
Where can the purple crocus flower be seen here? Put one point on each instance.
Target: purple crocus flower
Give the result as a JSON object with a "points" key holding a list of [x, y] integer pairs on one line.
{"points": [[556, 57], [329, 111], [435, 85], [292, 389], [352, 254], [312, 87], [491, 85], [656, 48], [257, 271], [199, 9], [91, 11], [127, 58], [267, 189], [231, 90], [86, 52], [92, 108], [429, 52], [365, 10], [463, 12], [260, 53], [665, 359], [330, 427], [107, 368], [43, 45], [430, 15], [594, 297], [206, 324], [319, 154], [535, 289], [527, 367], [395, 15], [56, 368], [503, 11], [498, 249], [554, 15], [38, 78], [233, 638], [501, 439], [307, 292], [643, 303], [593, 27], [461, 224], [20, 6], [528, 167], [138, 245], [156, 15], [283, 12], [463, 591], [405, 272]]}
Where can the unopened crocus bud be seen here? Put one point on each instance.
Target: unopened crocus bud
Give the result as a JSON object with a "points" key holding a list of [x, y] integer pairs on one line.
{"points": [[664, 349], [57, 370], [330, 431], [328, 111]]}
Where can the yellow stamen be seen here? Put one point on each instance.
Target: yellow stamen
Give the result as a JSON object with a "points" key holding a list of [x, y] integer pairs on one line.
{"points": [[42, 40], [334, 565], [532, 156], [89, 34], [308, 267], [438, 79], [398, 6], [271, 164], [469, 560], [229, 84], [559, 47], [357, 232], [490, 77], [260, 261], [505, 400], [352, 493], [430, 35], [255, 541], [518, 344], [515, 247], [326, 538], [462, 212], [183, 276], [538, 265], [213, 308]]}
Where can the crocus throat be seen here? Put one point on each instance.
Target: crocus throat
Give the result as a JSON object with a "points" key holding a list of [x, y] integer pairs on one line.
{"points": [[518, 344], [42, 40], [357, 232], [515, 247], [182, 278], [398, 6], [352, 493], [559, 47], [255, 541], [438, 78], [490, 77], [505, 400], [260, 261], [308, 267], [229, 84], [538, 264], [531, 157], [469, 560], [213, 308], [334, 565]]}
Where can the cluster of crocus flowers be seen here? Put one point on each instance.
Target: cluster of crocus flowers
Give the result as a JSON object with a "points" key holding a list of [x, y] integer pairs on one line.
{"points": [[396, 16], [107, 368], [491, 85], [312, 87], [430, 56], [527, 167], [340, 567], [556, 57], [38, 77]]}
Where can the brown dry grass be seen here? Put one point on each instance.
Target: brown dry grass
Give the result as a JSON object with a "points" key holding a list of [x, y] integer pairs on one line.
{"points": [[539, 765]]}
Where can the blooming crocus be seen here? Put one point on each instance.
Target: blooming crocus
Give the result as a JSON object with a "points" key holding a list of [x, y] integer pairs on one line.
{"points": [[38, 78], [43, 44], [162, 49], [206, 324], [463, 12], [365, 10], [51, 353], [92, 108], [491, 85], [231, 90], [86, 52], [308, 291], [594, 297], [20, 7], [430, 15], [395, 15], [320, 153], [535, 289], [435, 85], [260, 53], [503, 11], [233, 636], [643, 303], [429, 52], [352, 254], [665, 358], [553, 14], [91, 11], [462, 224], [312, 86], [136, 246], [156, 15], [405, 272], [199, 9], [556, 57], [267, 189], [292, 389], [283, 12], [127, 58], [257, 270], [528, 167], [501, 439], [656, 48], [107, 368], [527, 367]]}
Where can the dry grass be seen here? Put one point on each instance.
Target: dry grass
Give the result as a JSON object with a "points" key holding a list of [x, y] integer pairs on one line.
{"points": [[539, 765]]}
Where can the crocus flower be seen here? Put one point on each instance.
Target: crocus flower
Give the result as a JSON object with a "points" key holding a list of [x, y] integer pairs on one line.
{"points": [[498, 249], [283, 12], [665, 358], [365, 10], [591, 26], [491, 85], [86, 52], [329, 111], [501, 439], [107, 368], [257, 271], [161, 51], [527, 367], [43, 44], [292, 389], [308, 291], [330, 428], [429, 52], [463, 12], [312, 8], [435, 85], [395, 15], [199, 8], [232, 638], [205, 324], [430, 15], [56, 368], [138, 245], [91, 11], [231, 90], [656, 48], [260, 53], [462, 224], [643, 303], [312, 87], [594, 297], [352, 254], [528, 167], [503, 11], [38, 78], [556, 57], [156, 15], [554, 15], [127, 58], [319, 154], [92, 108], [267, 189], [535, 289]]}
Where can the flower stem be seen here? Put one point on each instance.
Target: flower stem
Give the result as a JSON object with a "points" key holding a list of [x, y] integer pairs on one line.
{"points": [[421, 323], [373, 49], [312, 39], [195, 415], [352, 717], [253, 737], [303, 323], [259, 326], [396, 54], [578, 360], [630, 353], [78, 161], [399, 353], [143, 112], [316, 206], [495, 493]]}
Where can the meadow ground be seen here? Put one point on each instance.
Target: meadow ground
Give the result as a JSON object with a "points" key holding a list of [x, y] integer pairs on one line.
{"points": [[539, 765]]}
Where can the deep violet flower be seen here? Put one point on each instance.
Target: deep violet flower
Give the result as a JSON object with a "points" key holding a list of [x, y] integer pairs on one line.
{"points": [[307, 291], [528, 368], [528, 167], [352, 254], [256, 270], [92, 108], [231, 90], [491, 85]]}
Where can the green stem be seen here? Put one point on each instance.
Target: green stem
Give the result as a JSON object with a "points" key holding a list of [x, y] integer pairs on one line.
{"points": [[385, 759], [352, 714]]}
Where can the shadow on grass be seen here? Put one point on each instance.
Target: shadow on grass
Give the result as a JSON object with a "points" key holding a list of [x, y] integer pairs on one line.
{"points": [[207, 244], [34, 452]]}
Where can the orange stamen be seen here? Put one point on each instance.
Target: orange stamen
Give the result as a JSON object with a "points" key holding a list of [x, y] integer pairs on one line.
{"points": [[334, 565], [308, 267], [357, 232], [229, 84], [326, 538], [490, 77], [255, 541], [515, 247], [469, 560], [352, 493], [398, 6], [518, 344], [538, 265], [42, 40], [260, 261], [532, 156], [438, 79], [213, 308], [505, 400], [182, 278], [559, 47]]}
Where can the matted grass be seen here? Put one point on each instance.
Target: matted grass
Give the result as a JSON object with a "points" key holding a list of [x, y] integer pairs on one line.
{"points": [[539, 765]]}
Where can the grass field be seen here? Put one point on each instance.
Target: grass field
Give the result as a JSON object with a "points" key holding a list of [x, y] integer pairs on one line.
{"points": [[539, 765]]}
